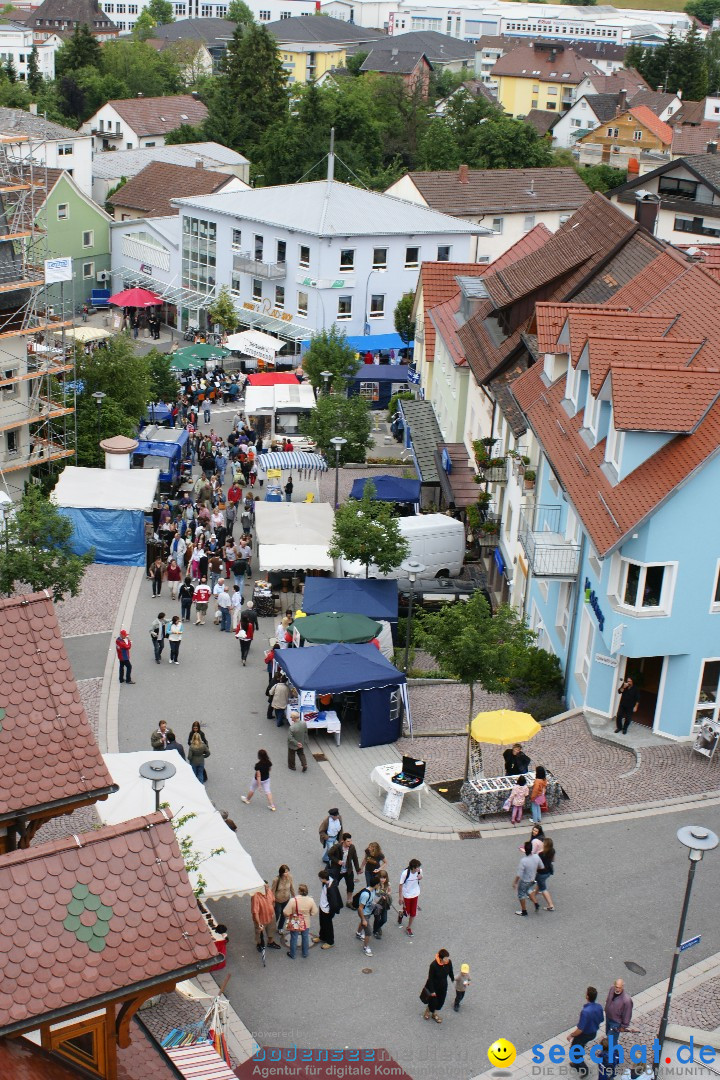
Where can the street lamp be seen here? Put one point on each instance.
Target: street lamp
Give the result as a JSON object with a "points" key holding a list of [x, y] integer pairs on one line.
{"points": [[338, 442], [413, 568], [327, 376], [99, 398], [376, 270], [158, 772], [698, 840]]}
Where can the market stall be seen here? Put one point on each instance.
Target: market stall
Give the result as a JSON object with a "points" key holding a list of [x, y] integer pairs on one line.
{"points": [[231, 873], [392, 489], [376, 599], [341, 670], [333, 626], [293, 536]]}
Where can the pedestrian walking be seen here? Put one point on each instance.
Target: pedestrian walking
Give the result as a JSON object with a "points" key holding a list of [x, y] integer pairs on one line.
{"points": [[245, 639], [383, 903], [299, 912], [538, 794], [343, 858], [157, 572], [516, 800], [206, 409], [284, 889], [157, 633], [175, 632], [629, 703], [618, 1008], [279, 696], [297, 741], [249, 613], [409, 892], [123, 645], [163, 737], [201, 599], [547, 858], [461, 984], [373, 862], [215, 567], [289, 489], [330, 829], [609, 1060], [330, 904], [174, 576], [236, 600], [525, 878], [591, 1017], [365, 903], [434, 991], [198, 751], [223, 606], [186, 593], [262, 910], [261, 778], [536, 839]]}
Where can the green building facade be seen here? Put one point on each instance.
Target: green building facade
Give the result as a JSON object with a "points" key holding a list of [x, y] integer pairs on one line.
{"points": [[76, 227]]}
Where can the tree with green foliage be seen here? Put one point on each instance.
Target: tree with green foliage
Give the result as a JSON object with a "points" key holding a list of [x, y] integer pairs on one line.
{"points": [[329, 351], [355, 62], [144, 27], [366, 531], [163, 383], [140, 68], [222, 312], [704, 10], [81, 51], [250, 93], [438, 148], [119, 372], [92, 428], [161, 11], [504, 143], [475, 646], [239, 12], [36, 551], [34, 78], [9, 70], [186, 133], [404, 322], [349, 417], [602, 177], [690, 66]]}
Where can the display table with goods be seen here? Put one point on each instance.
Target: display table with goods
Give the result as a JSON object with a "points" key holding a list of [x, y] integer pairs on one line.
{"points": [[398, 779], [487, 794], [263, 598], [312, 712]]}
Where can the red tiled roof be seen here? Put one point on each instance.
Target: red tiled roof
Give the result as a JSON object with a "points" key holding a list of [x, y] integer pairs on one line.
{"points": [[536, 270], [443, 319], [619, 326], [154, 186], [91, 917], [649, 120], [693, 138], [21, 1059], [159, 115], [485, 191], [604, 352], [49, 754], [649, 282], [531, 241], [708, 256], [623, 79], [554, 65], [438, 284], [550, 319], [654, 397]]}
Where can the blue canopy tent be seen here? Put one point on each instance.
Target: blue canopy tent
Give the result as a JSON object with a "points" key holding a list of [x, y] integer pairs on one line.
{"points": [[377, 383], [376, 599], [388, 489], [371, 343], [341, 668]]}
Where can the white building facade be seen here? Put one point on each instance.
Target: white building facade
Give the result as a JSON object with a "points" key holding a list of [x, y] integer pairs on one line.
{"points": [[48, 143], [16, 44]]}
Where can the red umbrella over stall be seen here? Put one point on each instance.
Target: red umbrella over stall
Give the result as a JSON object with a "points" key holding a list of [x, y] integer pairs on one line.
{"points": [[137, 298]]}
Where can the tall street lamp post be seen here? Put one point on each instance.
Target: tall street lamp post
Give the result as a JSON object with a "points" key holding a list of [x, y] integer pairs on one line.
{"points": [[327, 376], [157, 772], [414, 569], [99, 398], [698, 840], [338, 442]]}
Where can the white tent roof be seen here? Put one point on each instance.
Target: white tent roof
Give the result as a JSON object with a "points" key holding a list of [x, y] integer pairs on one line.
{"points": [[304, 523], [230, 874], [294, 557], [285, 396], [106, 489], [255, 343]]}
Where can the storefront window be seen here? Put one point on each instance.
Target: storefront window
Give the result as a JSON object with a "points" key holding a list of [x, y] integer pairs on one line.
{"points": [[708, 702], [645, 588]]}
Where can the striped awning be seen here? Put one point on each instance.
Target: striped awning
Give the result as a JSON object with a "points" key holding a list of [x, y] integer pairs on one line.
{"points": [[294, 459], [199, 1062]]}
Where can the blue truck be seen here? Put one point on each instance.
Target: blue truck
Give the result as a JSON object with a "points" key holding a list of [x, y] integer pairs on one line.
{"points": [[164, 449]]}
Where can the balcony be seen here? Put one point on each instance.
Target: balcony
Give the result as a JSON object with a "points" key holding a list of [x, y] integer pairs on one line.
{"points": [[549, 554], [495, 472], [246, 262]]}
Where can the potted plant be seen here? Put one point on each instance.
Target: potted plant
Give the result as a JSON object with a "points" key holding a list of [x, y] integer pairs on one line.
{"points": [[529, 479], [484, 498]]}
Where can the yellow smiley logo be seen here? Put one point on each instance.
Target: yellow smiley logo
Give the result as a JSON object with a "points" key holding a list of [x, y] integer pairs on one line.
{"points": [[502, 1053]]}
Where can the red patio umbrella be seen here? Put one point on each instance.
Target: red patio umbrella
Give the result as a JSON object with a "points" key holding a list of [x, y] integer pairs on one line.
{"points": [[135, 298]]}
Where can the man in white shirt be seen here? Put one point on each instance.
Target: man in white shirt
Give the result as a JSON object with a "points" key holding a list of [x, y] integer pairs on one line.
{"points": [[223, 603], [236, 602]]}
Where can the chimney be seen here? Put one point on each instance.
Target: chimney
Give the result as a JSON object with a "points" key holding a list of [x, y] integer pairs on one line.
{"points": [[463, 174], [140, 94], [199, 164], [679, 93], [553, 55], [195, 95], [711, 148], [118, 452], [646, 210], [661, 89], [622, 102], [33, 109]]}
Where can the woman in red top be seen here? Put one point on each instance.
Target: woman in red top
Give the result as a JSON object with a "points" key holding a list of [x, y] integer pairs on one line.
{"points": [[174, 575]]}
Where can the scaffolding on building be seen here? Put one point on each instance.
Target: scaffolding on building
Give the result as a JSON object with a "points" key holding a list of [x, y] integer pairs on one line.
{"points": [[37, 364]]}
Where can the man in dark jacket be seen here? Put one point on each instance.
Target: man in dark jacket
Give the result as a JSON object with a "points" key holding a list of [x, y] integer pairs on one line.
{"points": [[343, 858], [516, 761]]}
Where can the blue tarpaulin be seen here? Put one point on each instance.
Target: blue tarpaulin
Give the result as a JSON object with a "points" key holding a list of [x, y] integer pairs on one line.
{"points": [[396, 373], [388, 489], [118, 536], [371, 343], [376, 599], [337, 668]]}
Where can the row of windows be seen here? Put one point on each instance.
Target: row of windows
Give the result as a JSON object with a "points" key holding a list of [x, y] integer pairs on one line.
{"points": [[344, 308], [579, 31], [347, 255]]}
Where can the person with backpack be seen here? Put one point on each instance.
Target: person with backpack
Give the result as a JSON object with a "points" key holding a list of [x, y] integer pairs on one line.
{"points": [[409, 892], [330, 904], [298, 913], [383, 903], [364, 903]]}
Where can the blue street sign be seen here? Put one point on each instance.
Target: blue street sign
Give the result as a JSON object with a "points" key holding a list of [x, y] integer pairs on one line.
{"points": [[689, 943]]}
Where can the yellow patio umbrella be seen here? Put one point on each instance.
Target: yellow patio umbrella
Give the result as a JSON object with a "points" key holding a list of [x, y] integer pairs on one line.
{"points": [[503, 727]]}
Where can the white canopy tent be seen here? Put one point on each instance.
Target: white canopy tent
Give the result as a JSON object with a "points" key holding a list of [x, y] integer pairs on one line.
{"points": [[255, 343], [264, 400], [294, 536], [106, 489], [294, 557], [231, 874]]}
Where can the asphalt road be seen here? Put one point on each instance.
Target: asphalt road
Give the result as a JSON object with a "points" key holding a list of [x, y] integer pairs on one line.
{"points": [[618, 889]]}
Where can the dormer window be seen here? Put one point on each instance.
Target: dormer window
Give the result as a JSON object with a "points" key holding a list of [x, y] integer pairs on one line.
{"points": [[613, 448]]}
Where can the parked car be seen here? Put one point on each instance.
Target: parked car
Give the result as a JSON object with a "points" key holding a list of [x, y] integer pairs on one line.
{"points": [[432, 594]]}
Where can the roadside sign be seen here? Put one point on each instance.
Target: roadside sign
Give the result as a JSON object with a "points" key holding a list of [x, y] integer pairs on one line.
{"points": [[689, 943]]}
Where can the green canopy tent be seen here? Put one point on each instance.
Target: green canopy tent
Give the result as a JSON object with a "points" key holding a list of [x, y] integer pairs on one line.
{"points": [[196, 355], [330, 627]]}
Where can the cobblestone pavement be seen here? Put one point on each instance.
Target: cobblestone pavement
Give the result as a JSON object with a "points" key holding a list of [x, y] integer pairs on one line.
{"points": [[170, 1011], [346, 479], [596, 774], [698, 1007], [94, 609]]}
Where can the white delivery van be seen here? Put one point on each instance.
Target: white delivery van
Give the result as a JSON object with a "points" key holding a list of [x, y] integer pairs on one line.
{"points": [[436, 540]]}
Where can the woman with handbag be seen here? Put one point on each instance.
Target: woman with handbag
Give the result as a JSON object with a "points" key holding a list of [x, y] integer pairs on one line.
{"points": [[538, 794], [383, 903], [198, 751], [284, 888], [547, 857], [434, 991], [298, 912]]}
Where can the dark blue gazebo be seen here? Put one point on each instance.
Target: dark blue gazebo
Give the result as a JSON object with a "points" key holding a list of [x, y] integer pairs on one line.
{"points": [[375, 598], [393, 489]]}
